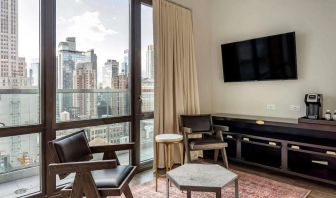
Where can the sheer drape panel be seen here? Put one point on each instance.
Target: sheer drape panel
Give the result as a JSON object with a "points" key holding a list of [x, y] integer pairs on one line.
{"points": [[176, 88]]}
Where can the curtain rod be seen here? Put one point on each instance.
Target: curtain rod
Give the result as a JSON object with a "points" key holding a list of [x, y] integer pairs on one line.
{"points": [[179, 5]]}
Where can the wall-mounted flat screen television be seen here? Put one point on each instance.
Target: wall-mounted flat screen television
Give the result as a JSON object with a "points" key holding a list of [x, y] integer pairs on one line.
{"points": [[267, 58]]}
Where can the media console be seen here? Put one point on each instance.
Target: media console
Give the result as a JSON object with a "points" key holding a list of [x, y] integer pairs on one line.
{"points": [[297, 147]]}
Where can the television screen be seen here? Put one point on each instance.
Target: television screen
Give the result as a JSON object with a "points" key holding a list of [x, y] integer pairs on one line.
{"points": [[267, 58]]}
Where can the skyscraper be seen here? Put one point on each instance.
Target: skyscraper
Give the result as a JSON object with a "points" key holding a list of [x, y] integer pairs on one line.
{"points": [[34, 73], [124, 64], [12, 68], [117, 100], [150, 62], [68, 57], [110, 70], [84, 77]]}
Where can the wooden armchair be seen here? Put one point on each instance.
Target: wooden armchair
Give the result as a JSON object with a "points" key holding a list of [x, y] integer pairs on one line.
{"points": [[93, 179], [211, 136]]}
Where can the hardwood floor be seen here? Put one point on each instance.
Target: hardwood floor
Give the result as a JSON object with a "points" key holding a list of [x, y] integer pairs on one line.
{"points": [[319, 190]]}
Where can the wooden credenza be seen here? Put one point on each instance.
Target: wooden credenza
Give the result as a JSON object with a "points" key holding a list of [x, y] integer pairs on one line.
{"points": [[296, 147]]}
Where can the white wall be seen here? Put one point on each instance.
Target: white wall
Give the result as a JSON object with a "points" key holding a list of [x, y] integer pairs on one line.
{"points": [[221, 21], [315, 27]]}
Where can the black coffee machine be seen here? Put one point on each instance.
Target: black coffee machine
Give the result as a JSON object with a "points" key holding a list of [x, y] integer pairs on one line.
{"points": [[314, 104]]}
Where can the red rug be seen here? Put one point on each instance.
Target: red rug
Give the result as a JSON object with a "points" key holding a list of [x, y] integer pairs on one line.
{"points": [[250, 186]]}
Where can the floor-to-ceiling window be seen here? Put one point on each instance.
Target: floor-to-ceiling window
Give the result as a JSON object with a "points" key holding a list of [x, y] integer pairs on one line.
{"points": [[147, 82], [69, 65], [93, 70], [20, 149]]}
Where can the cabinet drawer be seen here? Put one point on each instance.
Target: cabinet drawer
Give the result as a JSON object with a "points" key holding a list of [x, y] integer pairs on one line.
{"points": [[321, 166], [261, 154]]}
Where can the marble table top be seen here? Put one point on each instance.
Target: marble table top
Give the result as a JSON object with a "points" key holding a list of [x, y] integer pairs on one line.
{"points": [[201, 175]]}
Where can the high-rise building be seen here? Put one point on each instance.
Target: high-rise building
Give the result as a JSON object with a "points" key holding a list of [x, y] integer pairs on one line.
{"points": [[125, 64], [84, 77], [150, 62], [34, 73], [120, 95], [147, 93], [110, 70], [116, 102], [68, 57], [13, 69]]}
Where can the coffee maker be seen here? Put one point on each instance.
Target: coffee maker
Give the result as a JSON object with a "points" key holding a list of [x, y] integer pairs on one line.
{"points": [[314, 104]]}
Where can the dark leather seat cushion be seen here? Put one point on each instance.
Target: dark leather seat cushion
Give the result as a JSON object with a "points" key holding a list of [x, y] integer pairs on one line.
{"points": [[206, 144], [111, 178]]}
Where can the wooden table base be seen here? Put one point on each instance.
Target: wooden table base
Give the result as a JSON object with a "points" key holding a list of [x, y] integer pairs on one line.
{"points": [[167, 157], [217, 191]]}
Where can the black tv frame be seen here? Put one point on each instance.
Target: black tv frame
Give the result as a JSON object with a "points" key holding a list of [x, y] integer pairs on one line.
{"points": [[273, 79]]}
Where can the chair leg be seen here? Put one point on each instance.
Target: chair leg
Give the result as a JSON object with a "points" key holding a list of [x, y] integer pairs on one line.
{"points": [[128, 192], [225, 160], [216, 155], [77, 188], [89, 186], [188, 156]]}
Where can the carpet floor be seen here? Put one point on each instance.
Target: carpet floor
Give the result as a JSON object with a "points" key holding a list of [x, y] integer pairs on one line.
{"points": [[250, 186]]}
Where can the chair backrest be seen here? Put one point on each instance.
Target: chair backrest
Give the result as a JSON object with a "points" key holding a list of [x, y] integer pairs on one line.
{"points": [[197, 123], [72, 148]]}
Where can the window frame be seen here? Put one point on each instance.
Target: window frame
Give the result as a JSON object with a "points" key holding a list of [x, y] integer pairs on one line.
{"points": [[48, 91]]}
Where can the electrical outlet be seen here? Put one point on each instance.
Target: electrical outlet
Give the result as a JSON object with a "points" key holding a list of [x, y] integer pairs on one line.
{"points": [[271, 107], [294, 107]]}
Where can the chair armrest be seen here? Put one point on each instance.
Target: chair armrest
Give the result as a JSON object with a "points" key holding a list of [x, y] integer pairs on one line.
{"points": [[70, 167], [221, 128], [186, 130], [112, 147]]}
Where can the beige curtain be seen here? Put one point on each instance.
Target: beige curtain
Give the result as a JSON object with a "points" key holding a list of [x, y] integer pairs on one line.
{"points": [[176, 88]]}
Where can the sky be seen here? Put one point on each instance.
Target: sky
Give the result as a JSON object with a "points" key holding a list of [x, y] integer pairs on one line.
{"points": [[102, 25]]}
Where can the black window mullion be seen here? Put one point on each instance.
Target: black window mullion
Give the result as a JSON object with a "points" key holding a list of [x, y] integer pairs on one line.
{"points": [[48, 89], [135, 59], [92, 123]]}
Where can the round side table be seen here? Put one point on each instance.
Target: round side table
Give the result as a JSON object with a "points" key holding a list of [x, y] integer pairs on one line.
{"points": [[167, 140]]}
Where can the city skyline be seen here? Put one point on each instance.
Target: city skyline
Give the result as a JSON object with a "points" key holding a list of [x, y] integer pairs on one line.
{"points": [[69, 56], [95, 26]]}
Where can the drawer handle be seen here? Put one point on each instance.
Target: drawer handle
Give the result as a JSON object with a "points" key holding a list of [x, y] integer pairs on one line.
{"points": [[325, 163], [331, 153], [246, 139], [260, 122], [295, 147], [272, 143], [229, 136]]}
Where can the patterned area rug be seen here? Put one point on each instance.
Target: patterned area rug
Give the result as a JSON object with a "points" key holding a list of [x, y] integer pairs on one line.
{"points": [[250, 186]]}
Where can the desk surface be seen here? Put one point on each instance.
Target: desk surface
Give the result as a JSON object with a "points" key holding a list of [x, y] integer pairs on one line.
{"points": [[274, 121], [255, 118]]}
